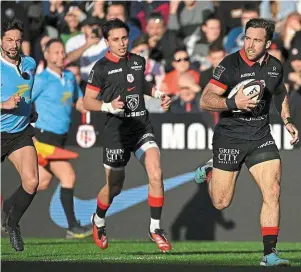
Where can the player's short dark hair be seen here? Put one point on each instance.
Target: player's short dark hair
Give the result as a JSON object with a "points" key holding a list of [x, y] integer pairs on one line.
{"points": [[215, 48], [268, 25], [51, 41], [12, 25], [250, 7], [113, 24]]}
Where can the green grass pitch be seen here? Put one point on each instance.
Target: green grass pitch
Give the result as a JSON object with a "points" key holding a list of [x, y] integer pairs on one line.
{"points": [[144, 252]]}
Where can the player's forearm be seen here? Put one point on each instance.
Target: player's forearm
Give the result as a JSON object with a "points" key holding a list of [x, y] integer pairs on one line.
{"points": [[285, 111], [213, 102], [76, 54], [92, 104]]}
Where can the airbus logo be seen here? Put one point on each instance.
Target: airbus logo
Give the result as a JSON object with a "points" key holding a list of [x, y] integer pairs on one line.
{"points": [[115, 71], [127, 199]]}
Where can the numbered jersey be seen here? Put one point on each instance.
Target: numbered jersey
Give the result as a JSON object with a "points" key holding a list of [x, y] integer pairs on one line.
{"points": [[236, 68], [111, 77]]}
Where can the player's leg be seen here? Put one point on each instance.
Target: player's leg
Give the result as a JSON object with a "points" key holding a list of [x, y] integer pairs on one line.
{"points": [[222, 171], [265, 166], [64, 171], [45, 178], [115, 158], [114, 181], [149, 155], [25, 161]]}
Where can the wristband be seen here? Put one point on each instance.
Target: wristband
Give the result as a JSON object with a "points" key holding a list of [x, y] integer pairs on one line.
{"points": [[231, 103], [288, 120], [158, 94], [107, 107]]}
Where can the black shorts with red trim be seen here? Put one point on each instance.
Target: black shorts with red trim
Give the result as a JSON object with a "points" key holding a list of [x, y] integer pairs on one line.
{"points": [[11, 142], [230, 153], [117, 149]]}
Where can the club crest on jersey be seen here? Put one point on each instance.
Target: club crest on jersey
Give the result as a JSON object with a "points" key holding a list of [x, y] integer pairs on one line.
{"points": [[130, 78], [132, 101]]}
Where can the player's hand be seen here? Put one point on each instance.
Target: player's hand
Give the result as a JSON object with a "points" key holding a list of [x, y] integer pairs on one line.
{"points": [[244, 102], [165, 102], [293, 132], [173, 6], [12, 103], [115, 107], [80, 106]]}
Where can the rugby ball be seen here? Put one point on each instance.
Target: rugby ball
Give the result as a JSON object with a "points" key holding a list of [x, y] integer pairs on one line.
{"points": [[251, 86]]}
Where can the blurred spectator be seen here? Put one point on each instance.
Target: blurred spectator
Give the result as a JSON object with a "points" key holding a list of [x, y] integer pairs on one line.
{"points": [[72, 23], [277, 10], [229, 12], [162, 42], [276, 49], [38, 29], [181, 64], [154, 71], [215, 56], [291, 26], [11, 10], [293, 67], [186, 16], [41, 65], [235, 38], [211, 35], [142, 10], [293, 79], [56, 16], [118, 10], [189, 98], [87, 47], [75, 70], [94, 8]]}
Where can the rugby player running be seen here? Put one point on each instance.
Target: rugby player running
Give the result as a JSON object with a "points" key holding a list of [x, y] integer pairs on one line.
{"points": [[243, 133], [118, 79]]}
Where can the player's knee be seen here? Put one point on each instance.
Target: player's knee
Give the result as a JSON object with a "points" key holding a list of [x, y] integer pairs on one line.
{"points": [[155, 176], [68, 180], [30, 183], [115, 190], [43, 184], [221, 203], [271, 197]]}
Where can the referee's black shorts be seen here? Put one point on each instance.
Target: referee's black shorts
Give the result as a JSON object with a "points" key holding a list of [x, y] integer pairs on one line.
{"points": [[50, 138], [11, 142]]}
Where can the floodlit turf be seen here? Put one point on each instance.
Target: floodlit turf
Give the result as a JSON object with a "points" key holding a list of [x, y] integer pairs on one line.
{"points": [[202, 253]]}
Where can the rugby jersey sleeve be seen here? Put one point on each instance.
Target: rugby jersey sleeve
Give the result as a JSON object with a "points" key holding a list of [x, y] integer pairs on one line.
{"points": [[96, 80], [37, 88], [222, 74]]}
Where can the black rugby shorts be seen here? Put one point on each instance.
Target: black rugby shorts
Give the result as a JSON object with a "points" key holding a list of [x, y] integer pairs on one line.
{"points": [[229, 153]]}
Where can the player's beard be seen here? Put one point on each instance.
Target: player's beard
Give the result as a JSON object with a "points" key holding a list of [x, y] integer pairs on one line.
{"points": [[257, 57]]}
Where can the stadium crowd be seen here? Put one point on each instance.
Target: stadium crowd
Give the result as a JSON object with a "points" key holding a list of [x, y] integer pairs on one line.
{"points": [[182, 41]]}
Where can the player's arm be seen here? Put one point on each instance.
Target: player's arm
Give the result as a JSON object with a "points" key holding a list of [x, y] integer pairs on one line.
{"points": [[212, 98], [282, 105], [93, 88]]}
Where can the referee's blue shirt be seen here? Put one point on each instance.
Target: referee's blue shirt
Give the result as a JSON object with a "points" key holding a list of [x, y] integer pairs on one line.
{"points": [[54, 96]]}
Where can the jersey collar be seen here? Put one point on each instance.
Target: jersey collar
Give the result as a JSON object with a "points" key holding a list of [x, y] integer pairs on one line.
{"points": [[113, 58], [249, 62]]}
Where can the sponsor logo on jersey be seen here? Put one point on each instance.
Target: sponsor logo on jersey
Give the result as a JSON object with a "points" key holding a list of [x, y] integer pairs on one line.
{"points": [[274, 73], [247, 75], [218, 71], [132, 101], [115, 71], [91, 76], [130, 78]]}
